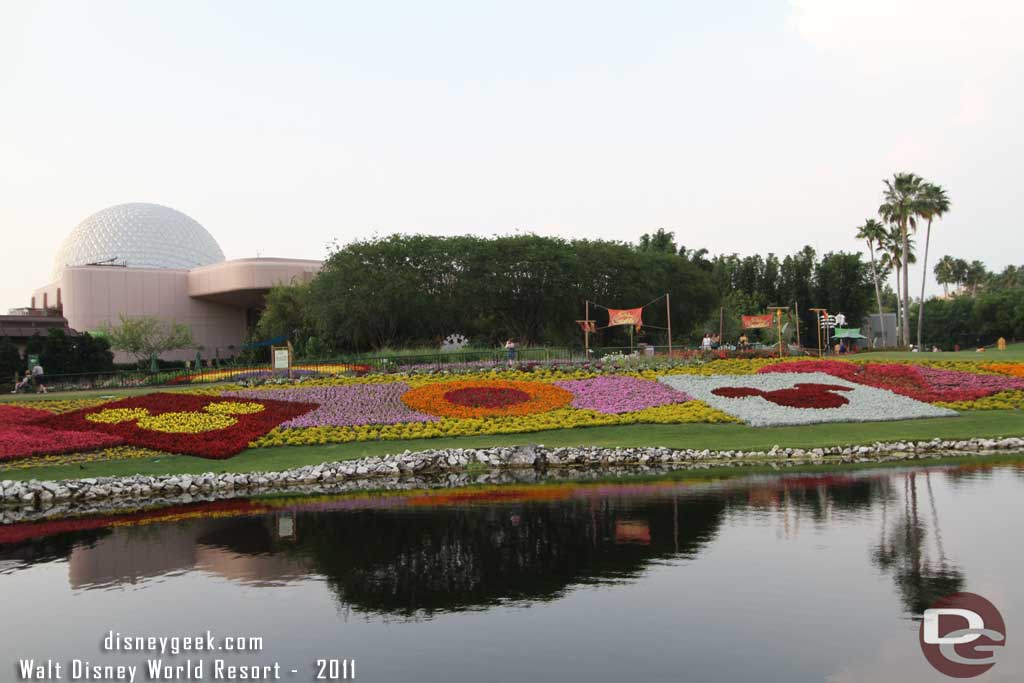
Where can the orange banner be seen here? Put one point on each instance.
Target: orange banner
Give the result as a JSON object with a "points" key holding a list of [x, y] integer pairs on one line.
{"points": [[587, 325], [626, 316], [753, 322]]}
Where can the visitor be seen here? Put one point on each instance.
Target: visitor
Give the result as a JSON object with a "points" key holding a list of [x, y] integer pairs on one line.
{"points": [[705, 343], [716, 341], [842, 347], [39, 379], [743, 341], [510, 351], [22, 385], [935, 349]]}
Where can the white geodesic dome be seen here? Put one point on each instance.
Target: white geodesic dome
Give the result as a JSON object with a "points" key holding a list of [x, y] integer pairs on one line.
{"points": [[138, 236]]}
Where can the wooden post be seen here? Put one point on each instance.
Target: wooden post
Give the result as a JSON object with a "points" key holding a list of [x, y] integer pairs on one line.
{"points": [[778, 322], [721, 323], [586, 330], [796, 307], [817, 323], [668, 311]]}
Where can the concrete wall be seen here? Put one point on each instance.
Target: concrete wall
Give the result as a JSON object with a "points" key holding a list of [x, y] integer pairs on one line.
{"points": [[95, 296]]}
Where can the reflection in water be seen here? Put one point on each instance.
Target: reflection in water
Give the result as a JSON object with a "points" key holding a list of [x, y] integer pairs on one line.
{"points": [[419, 555], [920, 567]]}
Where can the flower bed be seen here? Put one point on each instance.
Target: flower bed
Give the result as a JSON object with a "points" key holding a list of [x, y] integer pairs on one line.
{"points": [[794, 398], [345, 406], [922, 383], [181, 423], [486, 398], [20, 437], [618, 394]]}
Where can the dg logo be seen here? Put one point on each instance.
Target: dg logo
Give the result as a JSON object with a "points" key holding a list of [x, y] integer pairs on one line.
{"points": [[960, 634]]}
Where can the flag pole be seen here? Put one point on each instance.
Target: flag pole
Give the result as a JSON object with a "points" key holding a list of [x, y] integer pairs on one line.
{"points": [[668, 311]]}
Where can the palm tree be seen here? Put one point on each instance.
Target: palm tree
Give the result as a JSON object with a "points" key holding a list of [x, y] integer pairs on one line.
{"points": [[933, 204], [891, 248], [871, 232], [945, 273], [975, 276], [902, 196], [960, 270]]}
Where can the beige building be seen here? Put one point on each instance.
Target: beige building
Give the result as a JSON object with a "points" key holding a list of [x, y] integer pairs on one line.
{"points": [[149, 260]]}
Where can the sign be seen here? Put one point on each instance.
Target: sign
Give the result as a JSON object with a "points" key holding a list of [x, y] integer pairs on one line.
{"points": [[757, 322], [626, 316], [587, 325], [33, 360], [282, 358]]}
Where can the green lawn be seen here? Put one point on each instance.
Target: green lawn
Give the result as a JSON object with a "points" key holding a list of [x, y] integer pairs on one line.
{"points": [[1014, 353], [711, 436]]}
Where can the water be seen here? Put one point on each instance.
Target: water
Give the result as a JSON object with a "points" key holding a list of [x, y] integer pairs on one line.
{"points": [[793, 578]]}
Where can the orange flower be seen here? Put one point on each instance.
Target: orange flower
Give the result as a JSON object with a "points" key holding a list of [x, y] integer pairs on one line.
{"points": [[1012, 369], [486, 398]]}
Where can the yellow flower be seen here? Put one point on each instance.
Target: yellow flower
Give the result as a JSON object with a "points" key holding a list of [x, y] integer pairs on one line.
{"points": [[186, 422], [234, 408], [117, 415]]}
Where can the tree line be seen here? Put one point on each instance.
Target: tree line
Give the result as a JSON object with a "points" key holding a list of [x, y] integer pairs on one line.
{"points": [[409, 290]]}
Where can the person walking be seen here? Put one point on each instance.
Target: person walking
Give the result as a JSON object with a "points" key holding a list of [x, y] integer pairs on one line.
{"points": [[510, 351], [39, 379]]}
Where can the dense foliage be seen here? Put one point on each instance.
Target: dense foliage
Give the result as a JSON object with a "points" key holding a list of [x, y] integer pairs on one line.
{"points": [[414, 290], [975, 320], [409, 290], [61, 354]]}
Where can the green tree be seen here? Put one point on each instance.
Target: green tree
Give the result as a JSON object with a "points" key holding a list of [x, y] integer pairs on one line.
{"points": [[285, 314], [874, 233], [843, 285], [975, 276], [933, 203], [11, 363], [892, 261], [945, 273], [900, 208], [661, 241], [146, 337]]}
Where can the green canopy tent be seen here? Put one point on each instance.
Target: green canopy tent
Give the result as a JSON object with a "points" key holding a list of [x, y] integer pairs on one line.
{"points": [[847, 333], [851, 335]]}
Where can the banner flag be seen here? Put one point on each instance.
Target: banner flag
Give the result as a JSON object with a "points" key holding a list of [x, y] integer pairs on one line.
{"points": [[587, 325], [755, 322], [626, 316]]}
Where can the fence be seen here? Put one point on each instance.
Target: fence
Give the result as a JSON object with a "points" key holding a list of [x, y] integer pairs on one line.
{"points": [[360, 364]]}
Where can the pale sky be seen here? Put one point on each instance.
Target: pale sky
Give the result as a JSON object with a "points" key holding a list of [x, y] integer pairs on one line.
{"points": [[748, 126]]}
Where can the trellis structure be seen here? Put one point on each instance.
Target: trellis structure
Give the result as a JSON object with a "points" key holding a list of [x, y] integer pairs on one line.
{"points": [[618, 317]]}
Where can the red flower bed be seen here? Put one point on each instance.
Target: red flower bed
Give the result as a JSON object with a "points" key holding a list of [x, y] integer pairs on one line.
{"points": [[16, 533], [487, 397], [16, 415], [803, 395], [190, 426], [24, 440], [921, 383]]}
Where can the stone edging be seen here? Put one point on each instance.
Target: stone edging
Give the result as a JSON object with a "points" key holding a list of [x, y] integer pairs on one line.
{"points": [[73, 496]]}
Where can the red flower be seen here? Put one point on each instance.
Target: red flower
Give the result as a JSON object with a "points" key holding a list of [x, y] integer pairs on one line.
{"points": [[215, 442], [803, 395]]}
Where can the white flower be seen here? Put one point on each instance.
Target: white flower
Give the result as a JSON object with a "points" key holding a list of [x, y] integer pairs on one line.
{"points": [[862, 403]]}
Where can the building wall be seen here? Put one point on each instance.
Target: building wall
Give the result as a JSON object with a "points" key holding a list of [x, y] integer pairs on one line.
{"points": [[95, 296]]}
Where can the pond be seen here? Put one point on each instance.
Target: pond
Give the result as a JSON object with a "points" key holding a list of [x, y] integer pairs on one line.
{"points": [[799, 577]]}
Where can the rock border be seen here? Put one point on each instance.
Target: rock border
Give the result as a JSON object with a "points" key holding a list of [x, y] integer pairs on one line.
{"points": [[447, 467]]}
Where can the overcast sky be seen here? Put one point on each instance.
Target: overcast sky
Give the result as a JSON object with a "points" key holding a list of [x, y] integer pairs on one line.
{"points": [[743, 126]]}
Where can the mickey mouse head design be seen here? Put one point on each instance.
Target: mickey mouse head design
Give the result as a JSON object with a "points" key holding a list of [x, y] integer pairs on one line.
{"points": [[802, 395]]}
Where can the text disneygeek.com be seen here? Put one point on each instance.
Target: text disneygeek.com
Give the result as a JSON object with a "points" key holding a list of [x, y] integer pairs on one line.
{"points": [[163, 662]]}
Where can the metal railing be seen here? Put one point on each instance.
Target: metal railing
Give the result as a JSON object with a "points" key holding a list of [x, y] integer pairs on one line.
{"points": [[366, 363]]}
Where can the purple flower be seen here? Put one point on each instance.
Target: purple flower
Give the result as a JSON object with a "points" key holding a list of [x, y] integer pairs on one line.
{"points": [[346, 406], [616, 394]]}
